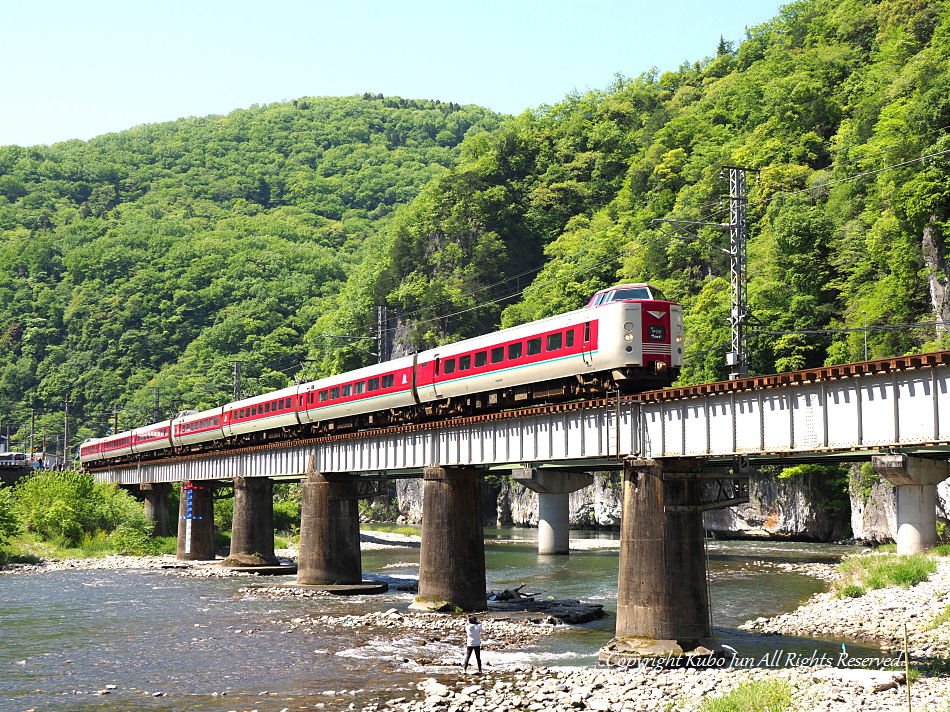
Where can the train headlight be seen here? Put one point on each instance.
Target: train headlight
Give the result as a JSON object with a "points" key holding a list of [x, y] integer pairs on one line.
{"points": [[679, 339], [628, 326], [628, 337]]}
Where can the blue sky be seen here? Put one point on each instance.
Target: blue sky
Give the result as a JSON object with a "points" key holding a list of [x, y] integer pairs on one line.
{"points": [[79, 69]]}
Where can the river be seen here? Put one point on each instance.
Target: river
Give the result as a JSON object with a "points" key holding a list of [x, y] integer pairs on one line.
{"points": [[168, 642]]}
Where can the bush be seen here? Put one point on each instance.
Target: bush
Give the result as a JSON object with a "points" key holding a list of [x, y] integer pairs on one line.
{"points": [[851, 591], [9, 525], [67, 507], [757, 696], [287, 515]]}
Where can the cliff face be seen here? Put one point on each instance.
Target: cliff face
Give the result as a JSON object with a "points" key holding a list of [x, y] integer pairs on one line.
{"points": [[804, 507]]}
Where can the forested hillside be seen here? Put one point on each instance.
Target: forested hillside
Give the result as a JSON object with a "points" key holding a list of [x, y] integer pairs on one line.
{"points": [[820, 101], [153, 258], [136, 267]]}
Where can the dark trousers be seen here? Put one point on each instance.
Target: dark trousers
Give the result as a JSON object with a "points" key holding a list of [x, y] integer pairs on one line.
{"points": [[478, 656]]}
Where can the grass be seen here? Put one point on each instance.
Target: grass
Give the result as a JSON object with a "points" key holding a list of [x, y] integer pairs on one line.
{"points": [[30, 548], [941, 550], [880, 571], [940, 618], [756, 696], [391, 528]]}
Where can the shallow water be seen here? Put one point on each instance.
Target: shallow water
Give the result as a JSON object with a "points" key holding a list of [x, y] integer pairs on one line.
{"points": [[202, 645]]}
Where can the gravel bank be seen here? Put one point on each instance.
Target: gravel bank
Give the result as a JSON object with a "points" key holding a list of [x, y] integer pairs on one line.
{"points": [[878, 616], [629, 690]]}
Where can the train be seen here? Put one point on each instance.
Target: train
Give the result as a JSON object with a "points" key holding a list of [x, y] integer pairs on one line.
{"points": [[627, 338]]}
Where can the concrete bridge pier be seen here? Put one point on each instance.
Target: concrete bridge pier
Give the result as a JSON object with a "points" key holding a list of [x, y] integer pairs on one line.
{"points": [[916, 480], [196, 522], [329, 531], [252, 529], [452, 555], [156, 506], [662, 599], [554, 489]]}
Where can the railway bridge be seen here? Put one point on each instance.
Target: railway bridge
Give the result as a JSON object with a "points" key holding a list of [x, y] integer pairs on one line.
{"points": [[682, 451]]}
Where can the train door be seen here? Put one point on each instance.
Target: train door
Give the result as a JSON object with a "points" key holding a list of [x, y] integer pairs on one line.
{"points": [[428, 373], [436, 375], [588, 332]]}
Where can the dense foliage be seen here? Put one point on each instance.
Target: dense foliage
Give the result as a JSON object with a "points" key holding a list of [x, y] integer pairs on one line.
{"points": [[9, 524], [135, 268], [70, 507], [831, 104]]}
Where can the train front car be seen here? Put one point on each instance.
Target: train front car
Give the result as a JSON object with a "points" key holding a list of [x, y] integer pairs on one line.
{"points": [[639, 336]]}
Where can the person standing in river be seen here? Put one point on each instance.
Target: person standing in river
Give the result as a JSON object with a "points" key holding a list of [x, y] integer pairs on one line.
{"points": [[473, 632]]}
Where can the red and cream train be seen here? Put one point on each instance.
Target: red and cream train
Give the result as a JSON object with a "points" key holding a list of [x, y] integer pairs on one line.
{"points": [[628, 337]]}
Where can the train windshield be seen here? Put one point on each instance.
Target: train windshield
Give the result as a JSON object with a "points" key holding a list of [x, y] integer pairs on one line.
{"points": [[631, 293]]}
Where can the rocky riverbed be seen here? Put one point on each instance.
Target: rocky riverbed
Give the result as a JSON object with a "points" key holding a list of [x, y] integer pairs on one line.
{"points": [[878, 616], [823, 683], [826, 689]]}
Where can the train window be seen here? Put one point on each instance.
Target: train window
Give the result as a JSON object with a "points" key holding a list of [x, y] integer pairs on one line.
{"points": [[514, 351], [569, 338], [629, 293], [449, 366], [334, 393], [586, 331], [359, 387], [555, 341], [347, 390], [267, 407], [465, 363], [498, 355], [372, 384], [324, 395], [216, 420], [481, 358], [534, 346], [388, 380]]}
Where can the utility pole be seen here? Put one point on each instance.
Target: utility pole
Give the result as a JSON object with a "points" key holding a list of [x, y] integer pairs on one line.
{"points": [[156, 406], [738, 358], [66, 434], [382, 345], [32, 428], [237, 379]]}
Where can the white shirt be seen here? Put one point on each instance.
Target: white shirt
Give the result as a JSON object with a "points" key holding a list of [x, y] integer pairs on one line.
{"points": [[474, 631]]}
